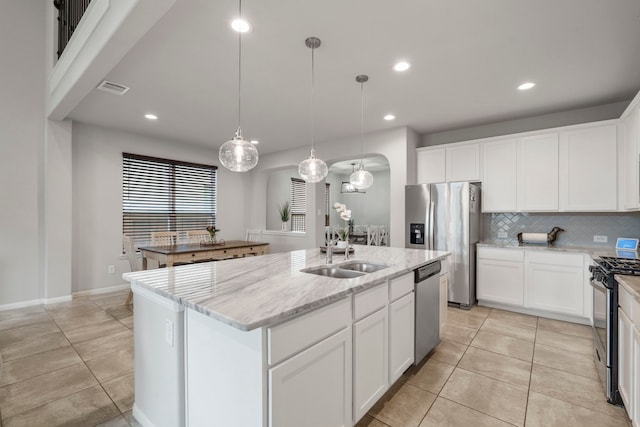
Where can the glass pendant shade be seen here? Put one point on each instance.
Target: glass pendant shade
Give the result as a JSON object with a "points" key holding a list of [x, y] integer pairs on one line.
{"points": [[238, 155], [361, 179], [313, 169]]}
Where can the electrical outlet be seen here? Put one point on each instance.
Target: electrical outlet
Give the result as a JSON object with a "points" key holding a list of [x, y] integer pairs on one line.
{"points": [[600, 239], [111, 269], [502, 235], [168, 332]]}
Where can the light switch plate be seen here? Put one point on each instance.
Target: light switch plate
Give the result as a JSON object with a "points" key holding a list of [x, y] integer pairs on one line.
{"points": [[600, 239]]}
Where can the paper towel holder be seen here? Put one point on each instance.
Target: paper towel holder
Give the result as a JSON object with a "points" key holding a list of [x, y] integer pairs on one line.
{"points": [[548, 238]]}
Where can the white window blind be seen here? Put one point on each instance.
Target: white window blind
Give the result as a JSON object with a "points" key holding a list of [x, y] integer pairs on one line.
{"points": [[298, 204], [166, 195]]}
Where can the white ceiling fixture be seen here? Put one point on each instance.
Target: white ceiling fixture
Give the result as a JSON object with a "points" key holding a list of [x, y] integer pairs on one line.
{"points": [[255, 141], [112, 87], [402, 66], [361, 178], [238, 154], [151, 116], [526, 86], [312, 169], [240, 25], [389, 117]]}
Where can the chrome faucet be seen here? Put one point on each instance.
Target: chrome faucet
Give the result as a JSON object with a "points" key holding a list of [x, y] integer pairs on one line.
{"points": [[346, 250], [330, 245]]}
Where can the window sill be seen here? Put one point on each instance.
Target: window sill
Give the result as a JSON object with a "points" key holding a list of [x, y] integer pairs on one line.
{"points": [[285, 233]]}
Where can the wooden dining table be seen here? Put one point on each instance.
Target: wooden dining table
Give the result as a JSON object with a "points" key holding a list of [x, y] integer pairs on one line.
{"points": [[191, 252]]}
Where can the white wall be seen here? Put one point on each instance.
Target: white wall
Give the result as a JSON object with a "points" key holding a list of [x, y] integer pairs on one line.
{"points": [[278, 192], [391, 144], [97, 198], [369, 208], [22, 41]]}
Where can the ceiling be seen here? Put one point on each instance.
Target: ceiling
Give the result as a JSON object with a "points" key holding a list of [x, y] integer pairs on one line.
{"points": [[372, 164], [467, 57]]}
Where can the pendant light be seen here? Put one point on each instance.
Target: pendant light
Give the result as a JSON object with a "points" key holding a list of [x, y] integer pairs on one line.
{"points": [[312, 169], [361, 179], [238, 154]]}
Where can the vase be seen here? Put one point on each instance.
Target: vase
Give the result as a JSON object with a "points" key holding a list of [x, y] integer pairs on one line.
{"points": [[341, 244], [284, 226]]}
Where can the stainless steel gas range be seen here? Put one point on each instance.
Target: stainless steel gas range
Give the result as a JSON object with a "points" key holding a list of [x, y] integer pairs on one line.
{"points": [[605, 318]]}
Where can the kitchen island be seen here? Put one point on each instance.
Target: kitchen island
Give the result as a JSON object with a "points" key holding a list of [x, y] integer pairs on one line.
{"points": [[257, 342]]}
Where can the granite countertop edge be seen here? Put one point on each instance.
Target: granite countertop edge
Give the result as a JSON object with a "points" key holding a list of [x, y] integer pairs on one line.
{"points": [[631, 284], [363, 283], [591, 250]]}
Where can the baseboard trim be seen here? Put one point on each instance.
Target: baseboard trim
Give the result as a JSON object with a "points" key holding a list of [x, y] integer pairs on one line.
{"points": [[21, 304], [99, 291], [536, 312], [140, 417], [57, 299]]}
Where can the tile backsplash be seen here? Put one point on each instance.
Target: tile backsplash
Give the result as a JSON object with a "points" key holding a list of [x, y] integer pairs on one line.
{"points": [[579, 227]]}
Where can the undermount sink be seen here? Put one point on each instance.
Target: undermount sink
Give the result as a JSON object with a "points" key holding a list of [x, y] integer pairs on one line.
{"points": [[365, 267], [335, 272]]}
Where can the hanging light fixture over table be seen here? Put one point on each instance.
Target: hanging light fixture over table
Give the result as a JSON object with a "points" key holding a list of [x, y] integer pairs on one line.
{"points": [[361, 179], [238, 154], [312, 169]]}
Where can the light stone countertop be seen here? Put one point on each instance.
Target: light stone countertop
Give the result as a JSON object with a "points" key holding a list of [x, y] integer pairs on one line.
{"points": [[594, 251], [253, 292], [631, 284]]}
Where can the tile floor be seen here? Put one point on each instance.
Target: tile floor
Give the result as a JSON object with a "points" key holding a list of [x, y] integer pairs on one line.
{"points": [[71, 364], [498, 368]]}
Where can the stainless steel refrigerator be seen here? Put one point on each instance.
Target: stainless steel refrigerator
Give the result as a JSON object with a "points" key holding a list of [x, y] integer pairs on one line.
{"points": [[446, 217]]}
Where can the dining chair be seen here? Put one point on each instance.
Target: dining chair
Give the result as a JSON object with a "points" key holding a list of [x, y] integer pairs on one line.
{"points": [[254, 235], [373, 235], [330, 233], [384, 236], [197, 236], [134, 263], [164, 238]]}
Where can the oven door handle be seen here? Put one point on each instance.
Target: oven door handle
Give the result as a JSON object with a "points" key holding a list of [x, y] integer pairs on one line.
{"points": [[598, 286]]}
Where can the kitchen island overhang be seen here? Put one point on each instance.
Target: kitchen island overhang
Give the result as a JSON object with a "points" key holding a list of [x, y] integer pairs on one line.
{"points": [[217, 325]]}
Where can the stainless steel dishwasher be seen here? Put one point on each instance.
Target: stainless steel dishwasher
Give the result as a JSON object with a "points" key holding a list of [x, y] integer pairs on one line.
{"points": [[427, 287]]}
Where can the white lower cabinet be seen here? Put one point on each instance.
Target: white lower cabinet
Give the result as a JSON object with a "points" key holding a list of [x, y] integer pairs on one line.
{"points": [[500, 275], [370, 363], [554, 282], [625, 373], [629, 354], [302, 388], [401, 335], [634, 412]]}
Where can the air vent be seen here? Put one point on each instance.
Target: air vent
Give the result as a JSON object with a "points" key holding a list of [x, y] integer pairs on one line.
{"points": [[112, 87]]}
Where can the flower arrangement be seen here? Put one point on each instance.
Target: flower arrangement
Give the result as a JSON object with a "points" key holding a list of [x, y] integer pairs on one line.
{"points": [[345, 215], [212, 233]]}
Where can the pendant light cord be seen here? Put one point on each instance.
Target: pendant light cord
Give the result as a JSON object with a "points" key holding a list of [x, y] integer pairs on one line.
{"points": [[239, 67], [361, 122], [313, 81]]}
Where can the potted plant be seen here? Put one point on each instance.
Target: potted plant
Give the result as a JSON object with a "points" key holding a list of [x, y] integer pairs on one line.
{"points": [[284, 210]]}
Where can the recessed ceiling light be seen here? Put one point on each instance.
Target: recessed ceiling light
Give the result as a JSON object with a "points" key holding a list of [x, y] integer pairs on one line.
{"points": [[240, 25], [151, 116], [526, 86], [389, 117], [402, 66], [255, 141]]}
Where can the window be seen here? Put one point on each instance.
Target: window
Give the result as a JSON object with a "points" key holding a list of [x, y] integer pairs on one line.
{"points": [[298, 204], [165, 195]]}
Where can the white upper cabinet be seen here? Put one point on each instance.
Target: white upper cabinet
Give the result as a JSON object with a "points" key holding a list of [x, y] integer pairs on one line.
{"points": [[456, 162], [538, 173], [629, 140], [499, 185], [463, 163], [431, 165], [588, 169]]}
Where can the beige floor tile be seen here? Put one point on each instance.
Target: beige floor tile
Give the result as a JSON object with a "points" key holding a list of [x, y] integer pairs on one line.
{"points": [[120, 311], [38, 364], [566, 328], [509, 346], [404, 405], [465, 318], [448, 352], [496, 366], [111, 300], [76, 302], [430, 376], [72, 322], [101, 346], [511, 316], [19, 312], [565, 342], [545, 411], [119, 421], [94, 330], [25, 395], [29, 319], [120, 391], [512, 329], [29, 346], [127, 321], [85, 408], [369, 421], [569, 361], [445, 413], [13, 336], [479, 310], [498, 399], [112, 365], [74, 311], [581, 391], [459, 334]]}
